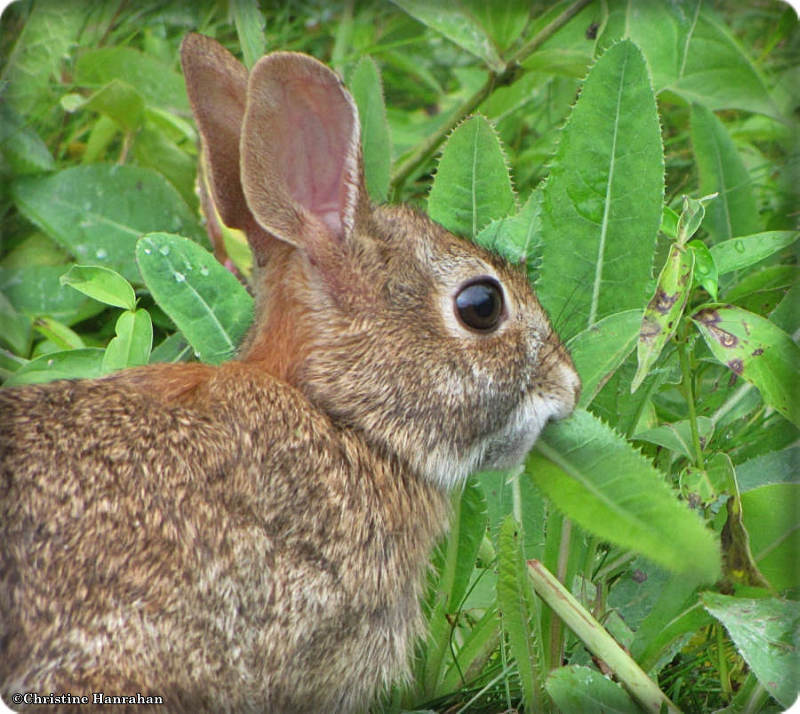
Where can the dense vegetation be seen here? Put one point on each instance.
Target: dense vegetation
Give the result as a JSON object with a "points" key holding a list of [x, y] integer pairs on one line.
{"points": [[640, 159]]}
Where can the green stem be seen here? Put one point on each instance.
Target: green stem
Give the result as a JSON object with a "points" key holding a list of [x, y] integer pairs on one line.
{"points": [[507, 76], [688, 392], [724, 678], [598, 641]]}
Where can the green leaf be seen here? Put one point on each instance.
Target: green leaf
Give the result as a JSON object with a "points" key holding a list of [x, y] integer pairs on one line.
{"points": [[466, 532], [133, 341], [691, 54], [706, 274], [756, 350], [102, 284], [204, 299], [607, 487], [665, 309], [35, 290], [765, 631], [448, 18], [677, 436], [472, 185], [503, 21], [603, 199], [734, 212], [86, 363], [21, 146], [742, 252], [517, 238], [580, 690], [15, 328], [249, 21], [58, 333], [155, 81], [771, 518], [174, 348], [365, 85], [118, 101], [514, 596], [50, 30], [98, 212], [599, 350], [769, 468]]}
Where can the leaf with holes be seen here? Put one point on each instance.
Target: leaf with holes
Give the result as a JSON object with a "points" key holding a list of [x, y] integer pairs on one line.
{"points": [[472, 185], [602, 202], [756, 350], [203, 298]]}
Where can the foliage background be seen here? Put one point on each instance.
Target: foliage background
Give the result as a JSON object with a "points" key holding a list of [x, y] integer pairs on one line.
{"points": [[97, 149]]}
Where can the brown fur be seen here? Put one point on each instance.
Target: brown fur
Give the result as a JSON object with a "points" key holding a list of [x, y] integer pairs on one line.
{"points": [[253, 537]]}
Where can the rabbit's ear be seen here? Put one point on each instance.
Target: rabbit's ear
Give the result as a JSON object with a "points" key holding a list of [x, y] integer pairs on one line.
{"points": [[301, 154], [217, 87]]}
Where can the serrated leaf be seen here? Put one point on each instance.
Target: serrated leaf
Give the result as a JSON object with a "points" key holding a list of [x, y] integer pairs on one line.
{"points": [[603, 199], [367, 90], [755, 349], [691, 54], [204, 299], [86, 363], [249, 21], [744, 251], [98, 212], [467, 528], [133, 342], [580, 690], [766, 633], [607, 487], [472, 185], [665, 309], [101, 284], [514, 598], [448, 18], [733, 212], [599, 350], [517, 238]]}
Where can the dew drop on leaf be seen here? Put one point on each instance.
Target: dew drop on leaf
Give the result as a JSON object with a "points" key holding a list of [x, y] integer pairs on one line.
{"points": [[164, 250], [101, 254], [738, 246], [179, 277]]}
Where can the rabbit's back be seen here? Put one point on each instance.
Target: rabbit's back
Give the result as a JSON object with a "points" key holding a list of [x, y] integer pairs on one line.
{"points": [[215, 541]]}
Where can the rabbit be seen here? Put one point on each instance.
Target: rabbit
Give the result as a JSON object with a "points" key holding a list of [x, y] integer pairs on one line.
{"points": [[254, 536]]}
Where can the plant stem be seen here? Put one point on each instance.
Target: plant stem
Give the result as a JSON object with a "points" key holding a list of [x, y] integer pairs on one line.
{"points": [[507, 76], [724, 678], [688, 392], [598, 641]]}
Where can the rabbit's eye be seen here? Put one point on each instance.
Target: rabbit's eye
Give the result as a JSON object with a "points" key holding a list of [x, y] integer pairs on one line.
{"points": [[479, 305]]}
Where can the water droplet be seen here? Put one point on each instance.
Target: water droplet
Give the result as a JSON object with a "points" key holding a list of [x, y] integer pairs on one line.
{"points": [[50, 362], [101, 254], [147, 251], [179, 277], [204, 271], [738, 246], [164, 250]]}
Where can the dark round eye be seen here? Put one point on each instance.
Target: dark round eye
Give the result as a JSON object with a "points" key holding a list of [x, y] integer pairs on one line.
{"points": [[479, 305]]}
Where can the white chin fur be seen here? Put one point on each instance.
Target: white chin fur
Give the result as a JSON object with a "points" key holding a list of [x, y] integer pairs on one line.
{"points": [[503, 449]]}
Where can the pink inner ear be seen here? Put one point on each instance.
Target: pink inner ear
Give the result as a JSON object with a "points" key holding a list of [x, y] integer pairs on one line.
{"points": [[314, 133]]}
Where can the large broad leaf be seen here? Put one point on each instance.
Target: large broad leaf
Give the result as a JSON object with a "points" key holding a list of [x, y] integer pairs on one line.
{"points": [[203, 298], [98, 212], [765, 631], [606, 486], [448, 18], [368, 94], [756, 350], [691, 54], [733, 212], [603, 200], [472, 186]]}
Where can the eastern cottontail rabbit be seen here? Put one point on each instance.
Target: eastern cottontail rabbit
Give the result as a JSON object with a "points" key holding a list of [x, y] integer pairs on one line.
{"points": [[253, 537]]}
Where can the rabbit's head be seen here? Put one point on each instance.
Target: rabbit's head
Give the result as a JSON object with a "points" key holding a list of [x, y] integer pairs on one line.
{"points": [[434, 349]]}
